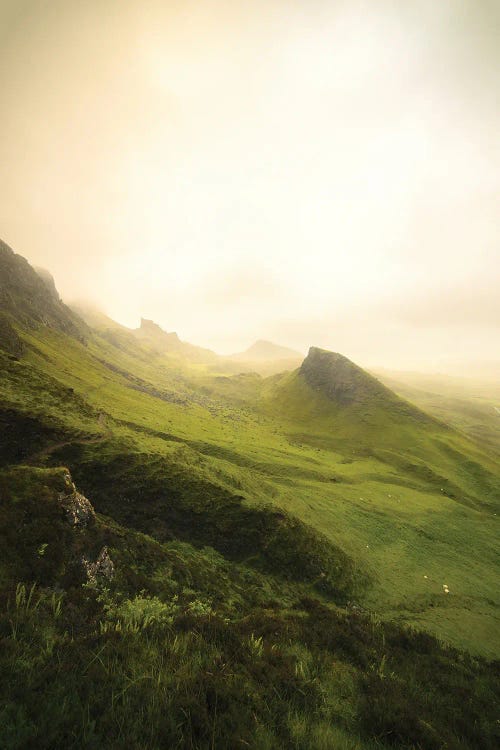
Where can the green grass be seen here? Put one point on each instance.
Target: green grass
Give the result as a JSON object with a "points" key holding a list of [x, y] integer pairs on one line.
{"points": [[271, 544], [471, 405], [399, 496], [185, 648]]}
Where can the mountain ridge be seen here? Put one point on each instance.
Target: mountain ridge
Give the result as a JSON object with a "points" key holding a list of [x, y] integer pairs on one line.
{"points": [[29, 299]]}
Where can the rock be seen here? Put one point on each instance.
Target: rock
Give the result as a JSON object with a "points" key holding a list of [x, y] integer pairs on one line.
{"points": [[103, 567], [79, 510], [49, 282]]}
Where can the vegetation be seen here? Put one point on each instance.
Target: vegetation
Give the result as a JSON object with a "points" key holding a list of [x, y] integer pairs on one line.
{"points": [[182, 648], [298, 561]]}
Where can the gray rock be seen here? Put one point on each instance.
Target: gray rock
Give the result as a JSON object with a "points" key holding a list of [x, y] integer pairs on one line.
{"points": [[103, 567], [79, 510]]}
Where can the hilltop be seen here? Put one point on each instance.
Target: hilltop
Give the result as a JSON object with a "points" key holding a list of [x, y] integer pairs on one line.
{"points": [[342, 381], [266, 358], [266, 351]]}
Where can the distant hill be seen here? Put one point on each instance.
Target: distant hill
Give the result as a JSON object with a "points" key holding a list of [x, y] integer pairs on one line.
{"points": [[345, 383], [151, 332], [471, 405], [266, 351], [265, 358], [330, 391]]}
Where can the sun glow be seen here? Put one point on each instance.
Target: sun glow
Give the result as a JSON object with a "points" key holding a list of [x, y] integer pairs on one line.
{"points": [[229, 169]]}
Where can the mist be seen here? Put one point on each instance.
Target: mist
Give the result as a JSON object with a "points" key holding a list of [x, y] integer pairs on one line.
{"points": [[321, 173]]}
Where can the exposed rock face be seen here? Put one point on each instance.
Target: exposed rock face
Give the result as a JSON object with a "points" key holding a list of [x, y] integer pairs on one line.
{"points": [[154, 334], [32, 299], [79, 510], [81, 515], [49, 282], [103, 567]]}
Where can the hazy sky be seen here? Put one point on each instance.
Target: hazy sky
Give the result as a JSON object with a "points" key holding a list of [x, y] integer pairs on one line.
{"points": [[314, 172]]}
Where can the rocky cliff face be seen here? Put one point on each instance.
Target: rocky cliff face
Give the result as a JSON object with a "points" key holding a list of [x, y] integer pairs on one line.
{"points": [[30, 300], [163, 342], [154, 334], [49, 282]]}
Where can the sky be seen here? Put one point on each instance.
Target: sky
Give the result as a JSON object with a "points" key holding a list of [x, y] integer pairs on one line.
{"points": [[314, 172]]}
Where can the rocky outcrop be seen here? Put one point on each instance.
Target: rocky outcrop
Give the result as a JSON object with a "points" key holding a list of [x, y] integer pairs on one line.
{"points": [[102, 568], [155, 335], [49, 282], [79, 511], [50, 532], [80, 515]]}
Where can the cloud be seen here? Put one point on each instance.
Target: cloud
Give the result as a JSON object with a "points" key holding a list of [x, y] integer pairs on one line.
{"points": [[320, 172], [229, 287]]}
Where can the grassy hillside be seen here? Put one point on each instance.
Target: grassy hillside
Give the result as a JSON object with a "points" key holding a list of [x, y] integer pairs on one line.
{"points": [[397, 491], [167, 645], [272, 539], [471, 405]]}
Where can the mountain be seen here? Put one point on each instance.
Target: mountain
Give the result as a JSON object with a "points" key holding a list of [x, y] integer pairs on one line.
{"points": [[152, 333], [266, 351], [471, 405], [265, 358], [196, 558], [149, 334], [95, 318], [28, 299], [49, 282], [343, 382]]}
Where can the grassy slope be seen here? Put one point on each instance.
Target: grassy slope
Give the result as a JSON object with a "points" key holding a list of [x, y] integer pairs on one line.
{"points": [[470, 405], [403, 502], [402, 526], [185, 649]]}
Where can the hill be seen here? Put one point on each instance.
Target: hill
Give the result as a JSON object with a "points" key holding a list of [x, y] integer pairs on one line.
{"points": [[471, 405], [266, 351], [28, 299], [266, 358], [344, 383], [241, 560]]}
